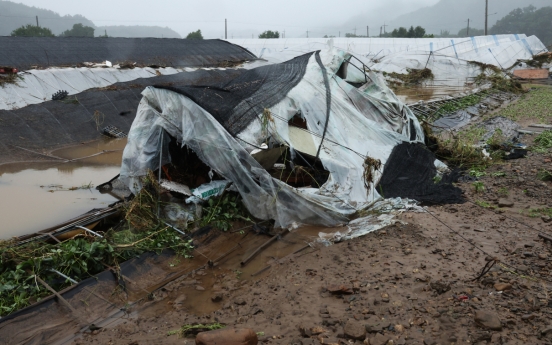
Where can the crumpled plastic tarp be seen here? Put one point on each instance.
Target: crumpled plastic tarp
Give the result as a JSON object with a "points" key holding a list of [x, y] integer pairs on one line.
{"points": [[364, 122]]}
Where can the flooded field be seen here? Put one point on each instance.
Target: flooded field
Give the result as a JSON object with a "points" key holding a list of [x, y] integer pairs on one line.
{"points": [[39, 195]]}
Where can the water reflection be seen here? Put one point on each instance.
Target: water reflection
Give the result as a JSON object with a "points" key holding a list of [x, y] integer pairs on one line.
{"points": [[38, 195]]}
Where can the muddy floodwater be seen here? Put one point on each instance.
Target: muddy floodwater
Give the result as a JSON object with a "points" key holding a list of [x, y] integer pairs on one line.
{"points": [[38, 195], [428, 93]]}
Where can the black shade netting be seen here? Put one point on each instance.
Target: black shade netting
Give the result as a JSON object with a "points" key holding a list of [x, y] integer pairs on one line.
{"points": [[31, 52], [237, 103], [409, 173]]}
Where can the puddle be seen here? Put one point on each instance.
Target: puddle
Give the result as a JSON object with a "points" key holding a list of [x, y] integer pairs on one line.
{"points": [[229, 273], [39, 195]]}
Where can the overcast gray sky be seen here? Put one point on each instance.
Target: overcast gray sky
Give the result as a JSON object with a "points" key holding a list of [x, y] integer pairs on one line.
{"points": [[245, 17]]}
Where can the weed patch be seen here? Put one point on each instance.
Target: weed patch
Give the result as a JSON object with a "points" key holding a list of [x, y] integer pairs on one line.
{"points": [[542, 142], [187, 329]]}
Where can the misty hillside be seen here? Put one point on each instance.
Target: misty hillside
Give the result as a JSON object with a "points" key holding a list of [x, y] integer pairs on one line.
{"points": [[452, 15], [13, 16], [136, 31]]}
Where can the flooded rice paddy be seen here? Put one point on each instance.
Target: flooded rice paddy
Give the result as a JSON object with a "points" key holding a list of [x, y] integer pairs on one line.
{"points": [[38, 195]]}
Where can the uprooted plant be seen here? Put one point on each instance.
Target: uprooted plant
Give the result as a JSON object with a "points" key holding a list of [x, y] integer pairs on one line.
{"points": [[222, 211]]}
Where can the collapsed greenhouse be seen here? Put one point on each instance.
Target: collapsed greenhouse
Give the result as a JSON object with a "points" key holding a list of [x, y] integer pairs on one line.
{"points": [[311, 136], [297, 141]]}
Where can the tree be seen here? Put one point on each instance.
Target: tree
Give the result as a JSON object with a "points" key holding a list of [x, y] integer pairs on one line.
{"points": [[195, 35], [413, 32], [32, 31], [79, 30], [419, 32], [529, 21], [270, 34]]}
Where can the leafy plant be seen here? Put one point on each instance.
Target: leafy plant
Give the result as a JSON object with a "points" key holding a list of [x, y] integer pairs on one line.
{"points": [[477, 172], [479, 187], [221, 211]]}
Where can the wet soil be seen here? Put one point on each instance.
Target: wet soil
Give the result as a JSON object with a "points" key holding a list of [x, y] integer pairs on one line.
{"points": [[37, 195], [416, 282]]}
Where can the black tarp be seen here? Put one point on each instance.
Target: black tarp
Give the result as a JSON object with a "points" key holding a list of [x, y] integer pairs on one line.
{"points": [[238, 102], [409, 173], [54, 124], [29, 52]]}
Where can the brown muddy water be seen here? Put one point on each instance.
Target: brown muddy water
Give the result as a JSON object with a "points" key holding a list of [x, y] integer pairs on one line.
{"points": [[428, 93], [38, 195]]}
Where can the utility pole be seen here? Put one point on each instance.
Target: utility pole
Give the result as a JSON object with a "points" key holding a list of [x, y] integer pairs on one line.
{"points": [[367, 31], [225, 29], [307, 33], [355, 31], [384, 26], [37, 21], [468, 31], [381, 27], [486, 15]]}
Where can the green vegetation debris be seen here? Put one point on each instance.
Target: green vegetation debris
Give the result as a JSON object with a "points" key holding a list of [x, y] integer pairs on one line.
{"points": [[84, 255], [483, 204], [538, 212], [414, 76], [544, 175], [197, 328], [542, 142], [10, 78]]}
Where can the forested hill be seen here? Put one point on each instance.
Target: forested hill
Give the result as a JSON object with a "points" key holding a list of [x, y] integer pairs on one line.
{"points": [[13, 16], [452, 15], [528, 21]]}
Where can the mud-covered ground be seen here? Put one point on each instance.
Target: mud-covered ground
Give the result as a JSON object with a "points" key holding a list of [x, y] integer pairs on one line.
{"points": [[411, 283]]}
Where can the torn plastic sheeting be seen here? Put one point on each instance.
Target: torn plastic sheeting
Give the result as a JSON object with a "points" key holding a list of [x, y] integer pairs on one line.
{"points": [[452, 121], [175, 187], [383, 214], [508, 128], [371, 126]]}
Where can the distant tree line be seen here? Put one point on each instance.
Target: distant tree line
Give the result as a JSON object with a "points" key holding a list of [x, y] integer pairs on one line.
{"points": [[270, 34]]}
